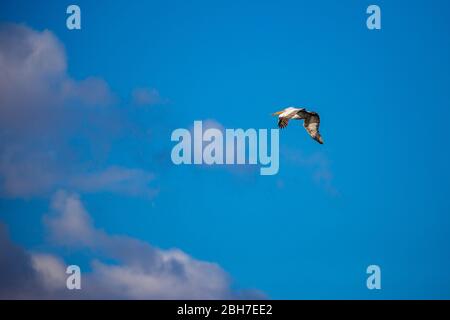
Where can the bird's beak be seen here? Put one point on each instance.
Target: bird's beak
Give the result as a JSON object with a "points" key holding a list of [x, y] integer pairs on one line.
{"points": [[277, 113]]}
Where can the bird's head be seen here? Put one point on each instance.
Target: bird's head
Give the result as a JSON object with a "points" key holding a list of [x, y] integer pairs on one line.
{"points": [[277, 113]]}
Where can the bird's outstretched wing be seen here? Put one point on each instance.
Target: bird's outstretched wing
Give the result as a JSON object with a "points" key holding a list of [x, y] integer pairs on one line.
{"points": [[283, 122], [311, 124]]}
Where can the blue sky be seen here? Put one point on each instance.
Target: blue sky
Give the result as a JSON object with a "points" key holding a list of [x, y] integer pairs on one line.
{"points": [[375, 193]]}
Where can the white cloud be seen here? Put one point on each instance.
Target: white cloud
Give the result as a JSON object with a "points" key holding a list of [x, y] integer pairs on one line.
{"points": [[142, 271], [34, 75], [51, 271], [42, 108], [31, 62], [132, 269], [191, 279], [70, 223]]}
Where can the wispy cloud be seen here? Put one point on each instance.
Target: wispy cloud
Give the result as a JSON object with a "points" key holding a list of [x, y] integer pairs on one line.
{"points": [[147, 96], [317, 163], [35, 173], [116, 179]]}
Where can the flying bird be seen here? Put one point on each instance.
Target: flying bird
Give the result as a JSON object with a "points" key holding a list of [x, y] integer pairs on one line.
{"points": [[311, 120]]}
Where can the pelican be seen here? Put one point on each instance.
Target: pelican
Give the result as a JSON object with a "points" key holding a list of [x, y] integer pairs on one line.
{"points": [[311, 120]]}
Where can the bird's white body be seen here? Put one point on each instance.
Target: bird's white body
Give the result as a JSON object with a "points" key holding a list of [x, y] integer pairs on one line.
{"points": [[291, 113]]}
